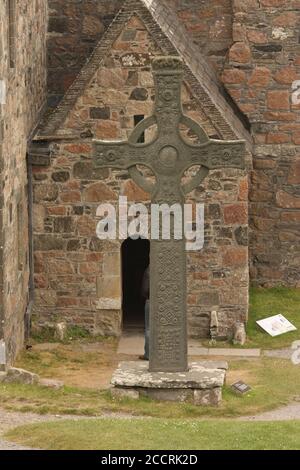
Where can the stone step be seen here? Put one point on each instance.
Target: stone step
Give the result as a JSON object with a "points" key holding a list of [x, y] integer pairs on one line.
{"points": [[136, 374], [201, 384]]}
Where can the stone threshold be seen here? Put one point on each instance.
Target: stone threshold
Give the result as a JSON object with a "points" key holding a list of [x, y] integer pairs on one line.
{"points": [[236, 352], [133, 344]]}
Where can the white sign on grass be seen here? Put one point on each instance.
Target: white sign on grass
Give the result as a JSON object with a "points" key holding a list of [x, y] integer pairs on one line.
{"points": [[276, 325]]}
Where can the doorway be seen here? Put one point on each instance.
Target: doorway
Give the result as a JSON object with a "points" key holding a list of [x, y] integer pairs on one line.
{"points": [[135, 260]]}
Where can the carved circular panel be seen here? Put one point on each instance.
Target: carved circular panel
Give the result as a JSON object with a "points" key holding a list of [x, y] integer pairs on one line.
{"points": [[111, 155], [168, 156], [168, 94]]}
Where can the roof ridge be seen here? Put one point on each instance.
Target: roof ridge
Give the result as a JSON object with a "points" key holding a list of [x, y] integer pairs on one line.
{"points": [[197, 65]]}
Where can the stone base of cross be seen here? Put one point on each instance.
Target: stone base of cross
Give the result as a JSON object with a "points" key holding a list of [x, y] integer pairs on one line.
{"points": [[168, 155]]}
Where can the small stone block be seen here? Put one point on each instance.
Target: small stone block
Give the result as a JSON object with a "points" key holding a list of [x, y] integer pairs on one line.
{"points": [[22, 376], [211, 397], [178, 395], [2, 376]]}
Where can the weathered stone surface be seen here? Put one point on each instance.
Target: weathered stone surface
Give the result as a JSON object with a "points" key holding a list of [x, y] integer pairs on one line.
{"points": [[274, 61], [60, 331], [105, 108], [48, 242], [294, 172], [98, 192], [168, 158], [236, 214], [133, 192], [86, 170], [45, 192], [23, 76], [239, 335], [208, 397], [240, 53], [241, 235], [107, 323], [278, 99], [125, 393], [22, 376], [266, 98], [168, 394], [60, 176], [92, 26], [286, 200], [139, 94], [2, 376], [100, 113], [136, 374]]}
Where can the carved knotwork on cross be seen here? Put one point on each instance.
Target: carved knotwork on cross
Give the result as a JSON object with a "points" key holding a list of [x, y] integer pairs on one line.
{"points": [[168, 155]]}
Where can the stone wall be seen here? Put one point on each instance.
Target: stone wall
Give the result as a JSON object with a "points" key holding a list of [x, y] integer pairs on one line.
{"points": [[263, 63], [78, 276], [209, 24], [76, 27], [74, 30], [23, 70], [263, 40]]}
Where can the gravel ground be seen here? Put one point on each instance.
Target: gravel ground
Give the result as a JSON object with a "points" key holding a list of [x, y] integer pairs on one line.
{"points": [[285, 353], [10, 420], [286, 413]]}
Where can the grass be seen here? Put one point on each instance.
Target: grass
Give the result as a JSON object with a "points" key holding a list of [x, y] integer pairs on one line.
{"points": [[80, 363], [266, 303], [86, 368], [46, 334], [158, 434], [274, 382]]}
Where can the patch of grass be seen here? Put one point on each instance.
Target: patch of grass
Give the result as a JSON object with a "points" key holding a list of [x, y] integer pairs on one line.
{"points": [[266, 303], [78, 363], [46, 334], [274, 382], [43, 335], [158, 434], [42, 400], [77, 332]]}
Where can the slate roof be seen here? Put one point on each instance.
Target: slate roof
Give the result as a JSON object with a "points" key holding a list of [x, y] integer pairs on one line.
{"points": [[172, 38]]}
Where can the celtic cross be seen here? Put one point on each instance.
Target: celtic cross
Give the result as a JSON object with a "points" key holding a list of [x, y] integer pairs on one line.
{"points": [[168, 155]]}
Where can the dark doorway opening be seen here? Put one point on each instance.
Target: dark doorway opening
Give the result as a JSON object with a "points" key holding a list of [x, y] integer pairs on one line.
{"points": [[137, 119], [135, 260]]}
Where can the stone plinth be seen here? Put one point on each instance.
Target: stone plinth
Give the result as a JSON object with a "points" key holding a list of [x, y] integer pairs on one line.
{"points": [[201, 384]]}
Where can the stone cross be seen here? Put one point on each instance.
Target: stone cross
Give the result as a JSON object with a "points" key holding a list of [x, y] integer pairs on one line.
{"points": [[168, 155]]}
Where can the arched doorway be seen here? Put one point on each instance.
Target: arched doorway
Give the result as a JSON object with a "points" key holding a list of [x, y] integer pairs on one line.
{"points": [[135, 259]]}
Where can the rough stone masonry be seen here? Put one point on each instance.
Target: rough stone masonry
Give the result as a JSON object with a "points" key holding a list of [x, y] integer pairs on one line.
{"points": [[253, 46], [78, 277], [23, 27]]}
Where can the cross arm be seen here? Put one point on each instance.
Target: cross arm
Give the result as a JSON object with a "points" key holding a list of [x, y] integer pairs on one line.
{"points": [[119, 155], [218, 154]]}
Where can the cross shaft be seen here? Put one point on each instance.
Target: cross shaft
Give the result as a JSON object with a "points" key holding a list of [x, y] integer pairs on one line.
{"points": [[168, 155]]}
